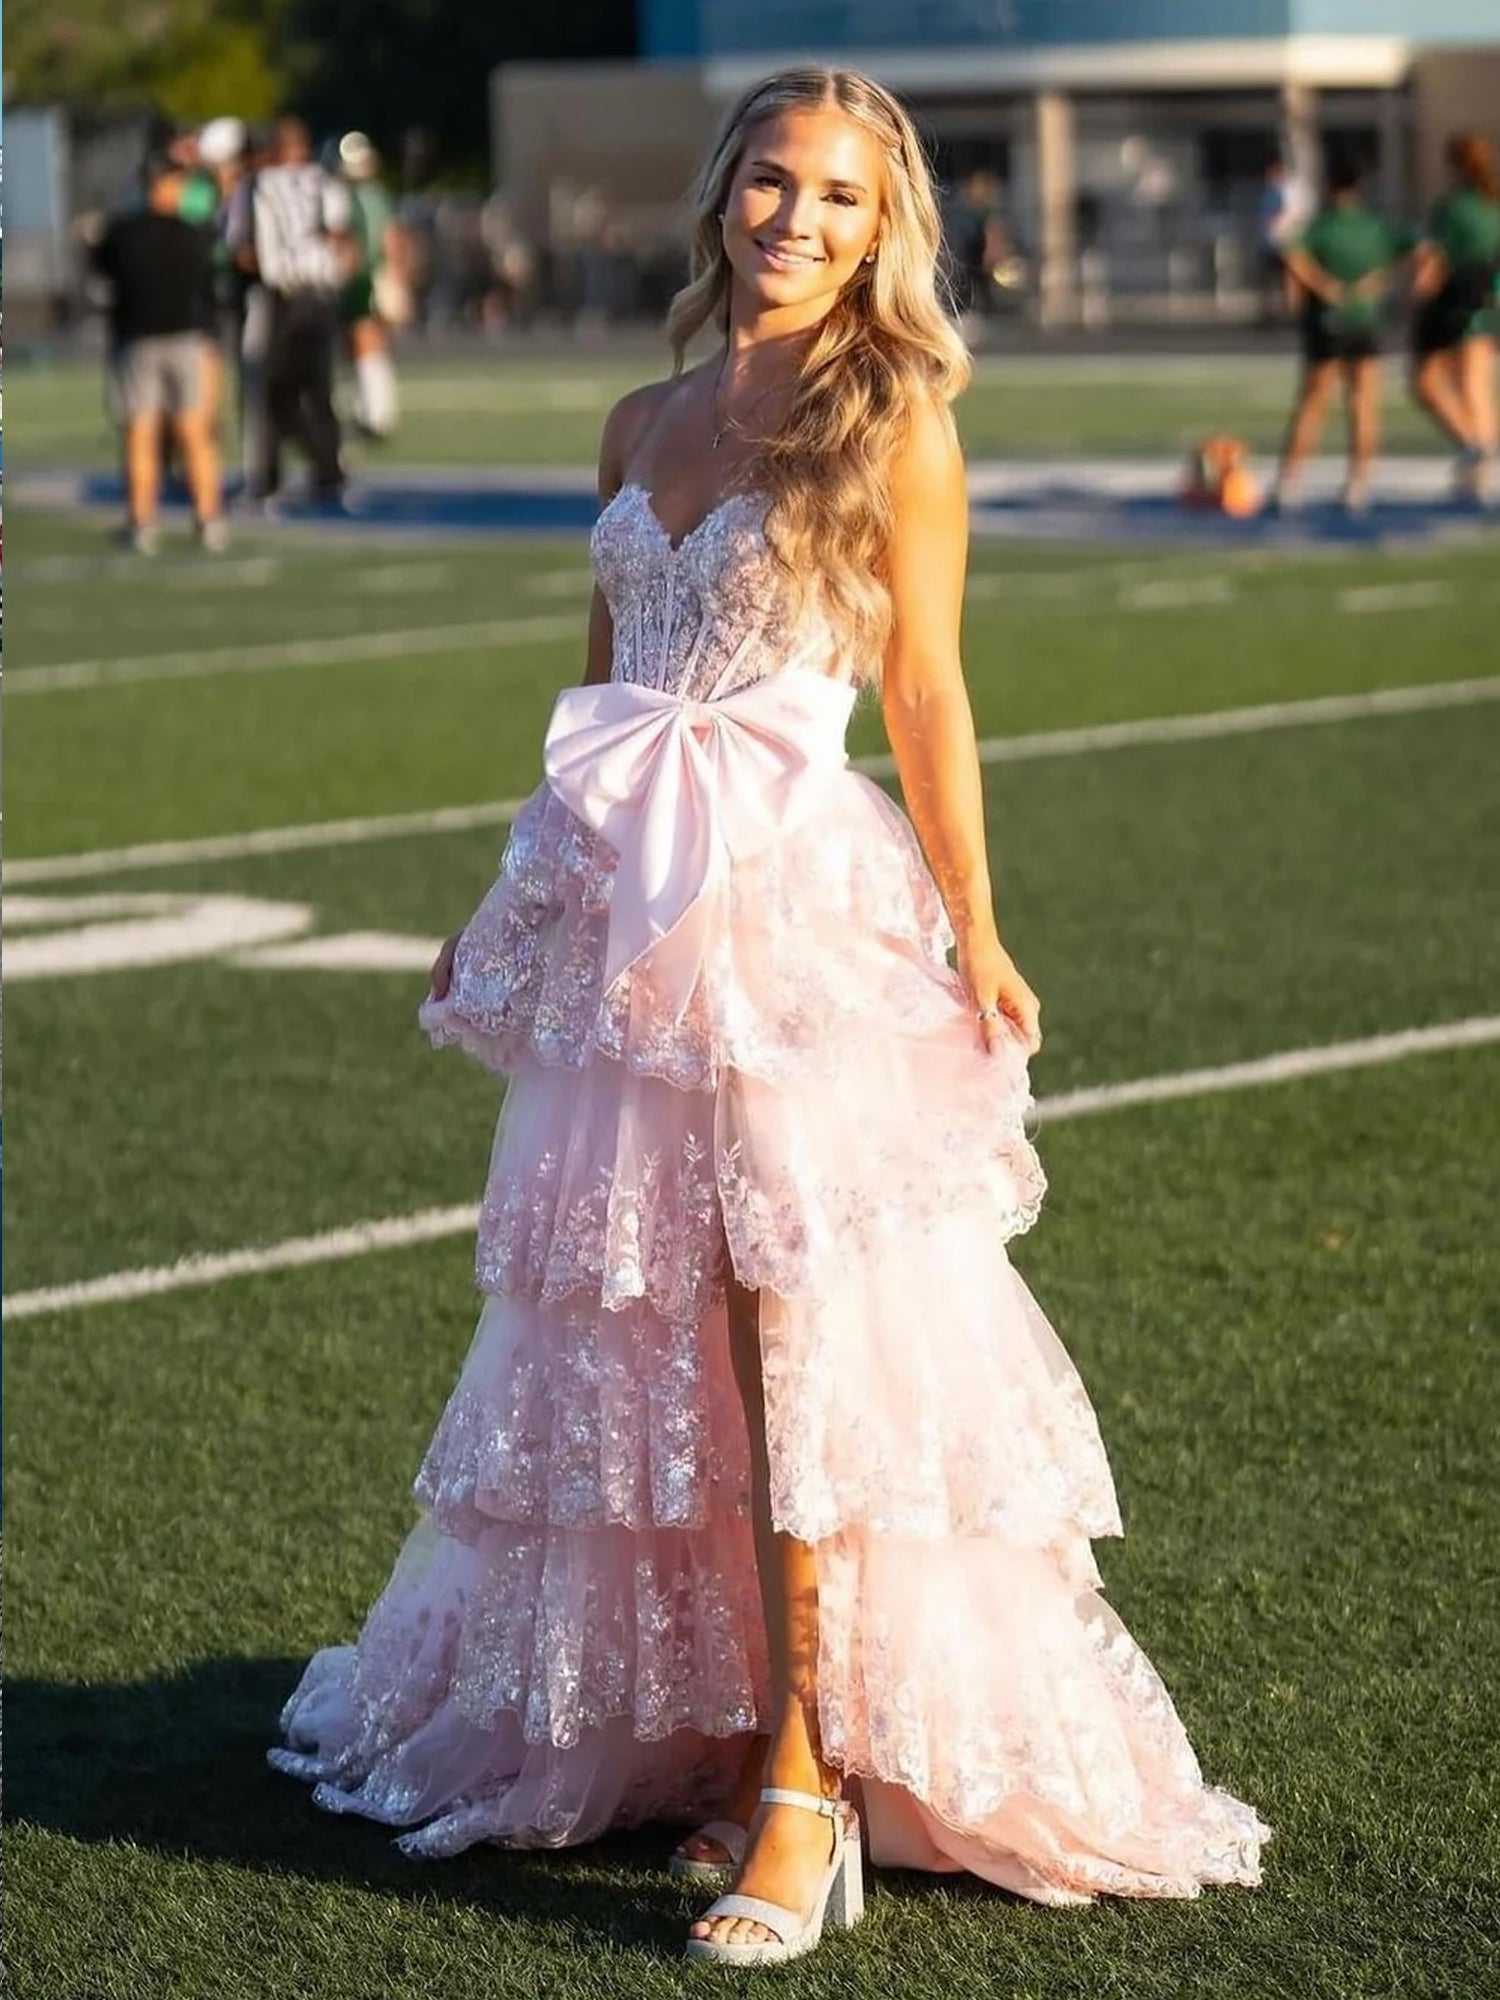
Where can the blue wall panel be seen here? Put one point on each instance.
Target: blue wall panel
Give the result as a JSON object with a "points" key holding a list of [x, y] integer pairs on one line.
{"points": [[1473, 22], [746, 27]]}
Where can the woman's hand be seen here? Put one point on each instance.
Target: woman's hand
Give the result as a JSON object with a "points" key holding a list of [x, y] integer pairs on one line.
{"points": [[1002, 1000], [441, 976]]}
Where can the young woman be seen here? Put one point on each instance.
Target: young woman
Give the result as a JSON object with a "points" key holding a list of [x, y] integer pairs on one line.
{"points": [[766, 1490], [1341, 264], [1458, 313]]}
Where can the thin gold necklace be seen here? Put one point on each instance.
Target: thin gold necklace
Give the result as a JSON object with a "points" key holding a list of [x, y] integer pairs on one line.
{"points": [[732, 423]]}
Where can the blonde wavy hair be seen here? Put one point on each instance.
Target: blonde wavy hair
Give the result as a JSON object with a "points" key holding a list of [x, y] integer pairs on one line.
{"points": [[884, 345]]}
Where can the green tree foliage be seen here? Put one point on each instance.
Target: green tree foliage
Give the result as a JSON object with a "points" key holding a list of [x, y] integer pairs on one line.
{"points": [[389, 66], [192, 58]]}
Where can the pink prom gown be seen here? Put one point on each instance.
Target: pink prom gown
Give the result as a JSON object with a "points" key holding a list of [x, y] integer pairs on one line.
{"points": [[714, 968]]}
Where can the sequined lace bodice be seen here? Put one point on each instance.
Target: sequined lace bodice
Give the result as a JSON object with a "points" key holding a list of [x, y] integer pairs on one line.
{"points": [[710, 614]]}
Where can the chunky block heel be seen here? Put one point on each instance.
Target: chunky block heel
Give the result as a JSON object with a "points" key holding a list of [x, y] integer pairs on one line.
{"points": [[846, 1901], [839, 1897]]}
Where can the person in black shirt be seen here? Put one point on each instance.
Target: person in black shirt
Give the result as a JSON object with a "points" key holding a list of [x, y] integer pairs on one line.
{"points": [[160, 266]]}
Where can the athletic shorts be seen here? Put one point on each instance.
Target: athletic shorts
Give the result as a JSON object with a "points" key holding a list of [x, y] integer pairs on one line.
{"points": [[1453, 313], [1325, 339], [357, 299], [162, 371]]}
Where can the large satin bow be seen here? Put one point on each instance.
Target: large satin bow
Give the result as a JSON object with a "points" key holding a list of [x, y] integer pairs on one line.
{"points": [[682, 789]]}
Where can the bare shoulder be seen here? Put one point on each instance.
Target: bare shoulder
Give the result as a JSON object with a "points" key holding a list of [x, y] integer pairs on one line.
{"points": [[627, 424], [927, 467]]}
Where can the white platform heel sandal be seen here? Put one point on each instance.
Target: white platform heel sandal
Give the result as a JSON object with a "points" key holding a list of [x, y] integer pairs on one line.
{"points": [[840, 1894]]}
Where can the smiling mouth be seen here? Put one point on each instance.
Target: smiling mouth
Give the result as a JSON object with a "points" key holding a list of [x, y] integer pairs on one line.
{"points": [[791, 260]]}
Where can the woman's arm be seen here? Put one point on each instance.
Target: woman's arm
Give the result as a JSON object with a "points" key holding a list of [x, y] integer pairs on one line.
{"points": [[928, 718], [1429, 269], [1310, 274], [624, 428]]}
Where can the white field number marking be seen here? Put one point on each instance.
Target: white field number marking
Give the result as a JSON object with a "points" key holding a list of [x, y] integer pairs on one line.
{"points": [[71, 937]]}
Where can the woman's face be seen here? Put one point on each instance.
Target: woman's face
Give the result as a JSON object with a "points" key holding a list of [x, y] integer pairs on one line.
{"points": [[803, 207]]}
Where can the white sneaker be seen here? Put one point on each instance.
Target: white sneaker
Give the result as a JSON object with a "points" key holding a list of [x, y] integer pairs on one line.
{"points": [[213, 535], [1471, 471], [146, 539]]}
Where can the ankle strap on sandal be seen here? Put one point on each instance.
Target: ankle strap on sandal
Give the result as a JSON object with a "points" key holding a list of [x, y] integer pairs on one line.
{"points": [[778, 1795]]}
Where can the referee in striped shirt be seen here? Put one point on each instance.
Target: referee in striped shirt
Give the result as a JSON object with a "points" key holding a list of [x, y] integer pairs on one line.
{"points": [[291, 232]]}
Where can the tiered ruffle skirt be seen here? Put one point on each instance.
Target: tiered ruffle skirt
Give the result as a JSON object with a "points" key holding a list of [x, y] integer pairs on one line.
{"points": [[572, 1638]]}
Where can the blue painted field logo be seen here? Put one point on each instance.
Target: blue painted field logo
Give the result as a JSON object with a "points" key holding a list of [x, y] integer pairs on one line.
{"points": [[68, 937]]}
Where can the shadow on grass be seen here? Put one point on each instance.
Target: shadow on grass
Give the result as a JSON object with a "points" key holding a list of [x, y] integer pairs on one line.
{"points": [[177, 1766]]}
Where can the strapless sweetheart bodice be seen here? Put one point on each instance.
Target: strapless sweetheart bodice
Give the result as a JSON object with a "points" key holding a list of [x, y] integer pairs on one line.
{"points": [[708, 614]]}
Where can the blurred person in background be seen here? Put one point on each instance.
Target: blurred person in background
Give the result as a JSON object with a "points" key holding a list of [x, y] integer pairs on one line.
{"points": [[977, 245], [1458, 315], [159, 266], [220, 161], [250, 307], [415, 215], [511, 299], [292, 233], [1286, 202], [376, 297], [1341, 265]]}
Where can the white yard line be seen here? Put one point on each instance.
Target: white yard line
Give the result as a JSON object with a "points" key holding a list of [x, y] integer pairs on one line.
{"points": [[1220, 722], [396, 1232], [1417, 595], [1178, 593], [68, 675], [992, 750], [1366, 1054]]}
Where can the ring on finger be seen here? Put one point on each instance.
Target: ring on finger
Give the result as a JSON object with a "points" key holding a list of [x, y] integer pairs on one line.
{"points": [[989, 1014]]}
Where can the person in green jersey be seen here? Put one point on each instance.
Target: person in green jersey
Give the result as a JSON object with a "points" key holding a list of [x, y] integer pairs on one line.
{"points": [[1458, 315], [375, 297], [1341, 264]]}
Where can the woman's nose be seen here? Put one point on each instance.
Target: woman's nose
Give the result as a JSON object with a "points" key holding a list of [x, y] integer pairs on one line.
{"points": [[799, 209]]}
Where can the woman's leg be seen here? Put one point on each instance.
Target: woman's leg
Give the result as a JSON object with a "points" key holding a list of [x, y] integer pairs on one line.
{"points": [[1305, 426], [1435, 385], [789, 1846], [143, 467], [1477, 376], [1362, 387]]}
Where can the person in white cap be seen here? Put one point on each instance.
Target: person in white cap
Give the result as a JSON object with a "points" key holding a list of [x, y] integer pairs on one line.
{"points": [[377, 296], [219, 156]]}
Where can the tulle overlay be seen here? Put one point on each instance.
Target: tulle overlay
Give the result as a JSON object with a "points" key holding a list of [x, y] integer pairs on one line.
{"points": [[572, 1638]]}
